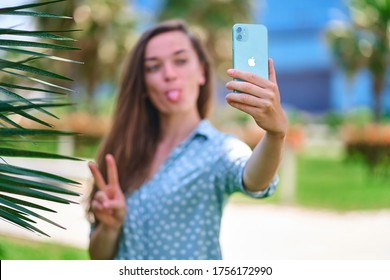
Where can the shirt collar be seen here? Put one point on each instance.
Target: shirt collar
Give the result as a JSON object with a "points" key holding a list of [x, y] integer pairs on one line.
{"points": [[205, 129]]}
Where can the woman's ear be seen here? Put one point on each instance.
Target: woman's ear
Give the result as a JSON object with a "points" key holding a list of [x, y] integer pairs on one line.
{"points": [[202, 81], [202, 76]]}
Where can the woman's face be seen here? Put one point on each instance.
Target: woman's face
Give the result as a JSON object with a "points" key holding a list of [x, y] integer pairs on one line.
{"points": [[173, 73]]}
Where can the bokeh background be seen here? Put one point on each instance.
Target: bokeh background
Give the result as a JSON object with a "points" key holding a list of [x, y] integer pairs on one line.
{"points": [[331, 58]]}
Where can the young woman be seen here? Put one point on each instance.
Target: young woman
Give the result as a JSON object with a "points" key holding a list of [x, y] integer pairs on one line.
{"points": [[164, 173]]}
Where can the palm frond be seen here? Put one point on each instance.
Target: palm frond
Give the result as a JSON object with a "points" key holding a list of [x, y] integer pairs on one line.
{"points": [[11, 10], [7, 85], [19, 185], [6, 168], [7, 152], [37, 34], [20, 43], [37, 54], [20, 65], [44, 83]]}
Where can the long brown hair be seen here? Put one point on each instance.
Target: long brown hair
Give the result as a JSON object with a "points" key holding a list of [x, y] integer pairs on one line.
{"points": [[135, 130]]}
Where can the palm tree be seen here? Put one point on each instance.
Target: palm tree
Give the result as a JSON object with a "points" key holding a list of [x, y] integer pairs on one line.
{"points": [[19, 74], [364, 44]]}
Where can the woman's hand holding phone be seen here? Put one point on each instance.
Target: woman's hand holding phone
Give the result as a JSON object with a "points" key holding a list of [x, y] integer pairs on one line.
{"points": [[258, 97]]}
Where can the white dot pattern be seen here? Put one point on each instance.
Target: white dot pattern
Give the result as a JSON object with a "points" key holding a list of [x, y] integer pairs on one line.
{"points": [[177, 214]]}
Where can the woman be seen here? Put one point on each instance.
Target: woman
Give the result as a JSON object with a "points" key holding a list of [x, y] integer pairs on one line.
{"points": [[164, 173]]}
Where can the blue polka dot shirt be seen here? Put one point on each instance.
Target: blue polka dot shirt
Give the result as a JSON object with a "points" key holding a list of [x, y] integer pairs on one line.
{"points": [[177, 214]]}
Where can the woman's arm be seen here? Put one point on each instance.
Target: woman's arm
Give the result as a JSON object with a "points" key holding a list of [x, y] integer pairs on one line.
{"points": [[103, 242], [261, 100], [264, 162]]}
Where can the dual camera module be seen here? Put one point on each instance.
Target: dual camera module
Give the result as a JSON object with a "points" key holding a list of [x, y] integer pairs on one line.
{"points": [[241, 33]]}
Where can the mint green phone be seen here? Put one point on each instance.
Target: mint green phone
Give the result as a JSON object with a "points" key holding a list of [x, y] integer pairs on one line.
{"points": [[250, 48]]}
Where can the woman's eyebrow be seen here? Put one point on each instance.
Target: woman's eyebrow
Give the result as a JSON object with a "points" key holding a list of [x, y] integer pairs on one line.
{"points": [[152, 58]]}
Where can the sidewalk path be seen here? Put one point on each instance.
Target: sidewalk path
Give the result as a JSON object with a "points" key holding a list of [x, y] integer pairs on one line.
{"points": [[260, 231], [281, 232]]}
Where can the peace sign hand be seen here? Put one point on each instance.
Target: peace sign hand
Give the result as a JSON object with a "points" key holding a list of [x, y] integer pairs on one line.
{"points": [[108, 204]]}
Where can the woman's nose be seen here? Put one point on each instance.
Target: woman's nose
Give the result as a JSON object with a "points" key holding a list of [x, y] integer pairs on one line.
{"points": [[169, 72]]}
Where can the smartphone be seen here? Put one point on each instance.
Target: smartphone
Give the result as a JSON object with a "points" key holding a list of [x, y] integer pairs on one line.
{"points": [[250, 48]]}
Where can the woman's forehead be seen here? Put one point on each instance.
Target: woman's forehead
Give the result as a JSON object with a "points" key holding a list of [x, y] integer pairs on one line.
{"points": [[167, 44]]}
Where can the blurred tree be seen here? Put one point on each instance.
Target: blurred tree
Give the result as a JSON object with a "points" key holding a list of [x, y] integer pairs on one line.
{"points": [[364, 44], [104, 40], [211, 21]]}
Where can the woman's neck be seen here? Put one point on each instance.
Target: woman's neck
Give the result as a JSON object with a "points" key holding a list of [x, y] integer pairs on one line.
{"points": [[175, 129]]}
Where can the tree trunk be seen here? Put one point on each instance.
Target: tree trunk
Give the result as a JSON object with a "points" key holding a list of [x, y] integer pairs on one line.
{"points": [[378, 84]]}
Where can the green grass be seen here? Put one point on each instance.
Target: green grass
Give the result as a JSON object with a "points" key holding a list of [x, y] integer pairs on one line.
{"points": [[12, 248], [334, 184], [340, 185]]}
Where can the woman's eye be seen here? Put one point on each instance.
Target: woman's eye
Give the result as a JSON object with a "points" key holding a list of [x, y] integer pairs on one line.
{"points": [[181, 61], [152, 68]]}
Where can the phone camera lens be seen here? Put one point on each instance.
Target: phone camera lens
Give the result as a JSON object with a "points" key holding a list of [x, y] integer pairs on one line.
{"points": [[239, 37], [239, 29]]}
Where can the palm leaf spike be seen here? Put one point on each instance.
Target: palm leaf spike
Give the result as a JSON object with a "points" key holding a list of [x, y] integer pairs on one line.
{"points": [[14, 10], [28, 183]]}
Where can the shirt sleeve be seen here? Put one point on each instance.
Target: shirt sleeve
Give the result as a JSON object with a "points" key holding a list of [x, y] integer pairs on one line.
{"points": [[232, 164]]}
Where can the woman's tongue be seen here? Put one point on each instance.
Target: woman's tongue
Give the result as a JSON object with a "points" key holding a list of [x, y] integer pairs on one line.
{"points": [[173, 95]]}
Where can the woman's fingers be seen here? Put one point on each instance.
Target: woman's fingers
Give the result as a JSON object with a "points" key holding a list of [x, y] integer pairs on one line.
{"points": [[249, 77], [97, 206], [99, 180], [102, 202], [108, 204], [99, 202], [112, 171], [253, 79], [244, 98], [112, 174], [271, 71]]}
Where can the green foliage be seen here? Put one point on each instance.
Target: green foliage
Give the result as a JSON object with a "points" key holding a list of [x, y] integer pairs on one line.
{"points": [[359, 117], [18, 65], [364, 44], [105, 39], [333, 120], [212, 14]]}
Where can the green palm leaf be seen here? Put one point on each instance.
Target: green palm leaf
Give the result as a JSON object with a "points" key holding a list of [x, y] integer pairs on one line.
{"points": [[37, 34], [37, 54], [31, 154], [35, 185], [11, 10], [19, 185], [19, 43], [11, 205], [19, 65], [7, 85], [33, 132], [19, 219], [6, 168], [45, 83], [7, 200]]}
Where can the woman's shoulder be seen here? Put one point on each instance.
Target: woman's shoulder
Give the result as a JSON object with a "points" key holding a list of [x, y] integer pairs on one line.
{"points": [[221, 139]]}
